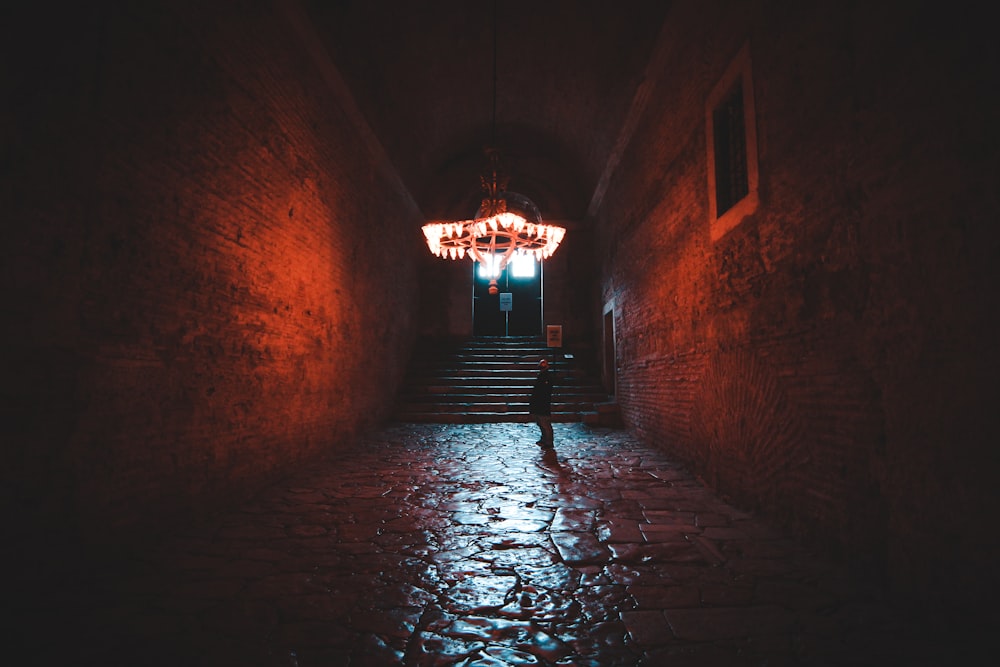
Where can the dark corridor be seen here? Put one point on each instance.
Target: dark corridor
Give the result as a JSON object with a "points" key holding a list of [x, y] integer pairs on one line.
{"points": [[216, 277]]}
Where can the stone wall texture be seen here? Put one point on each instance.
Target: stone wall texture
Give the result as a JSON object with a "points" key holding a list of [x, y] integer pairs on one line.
{"points": [[831, 360], [210, 276]]}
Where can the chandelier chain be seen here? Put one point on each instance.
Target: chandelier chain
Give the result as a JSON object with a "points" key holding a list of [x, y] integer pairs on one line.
{"points": [[496, 232]]}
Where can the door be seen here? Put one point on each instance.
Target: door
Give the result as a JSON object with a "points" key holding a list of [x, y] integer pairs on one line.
{"points": [[522, 279], [610, 362]]}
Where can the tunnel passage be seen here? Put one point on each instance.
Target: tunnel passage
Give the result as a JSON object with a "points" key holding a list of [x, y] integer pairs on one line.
{"points": [[206, 241]]}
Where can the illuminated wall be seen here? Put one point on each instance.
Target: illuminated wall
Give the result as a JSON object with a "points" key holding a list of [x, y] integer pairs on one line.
{"points": [[210, 277], [827, 360]]}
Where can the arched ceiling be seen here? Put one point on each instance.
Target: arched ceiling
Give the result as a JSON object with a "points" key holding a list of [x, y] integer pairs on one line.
{"points": [[421, 74]]}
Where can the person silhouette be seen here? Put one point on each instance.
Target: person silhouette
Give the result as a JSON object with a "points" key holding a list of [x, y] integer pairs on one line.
{"points": [[540, 405]]}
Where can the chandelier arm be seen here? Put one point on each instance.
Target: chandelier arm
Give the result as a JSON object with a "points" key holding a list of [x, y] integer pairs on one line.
{"points": [[506, 256], [474, 251]]}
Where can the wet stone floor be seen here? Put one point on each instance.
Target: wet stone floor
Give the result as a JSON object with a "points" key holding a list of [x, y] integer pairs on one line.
{"points": [[468, 545]]}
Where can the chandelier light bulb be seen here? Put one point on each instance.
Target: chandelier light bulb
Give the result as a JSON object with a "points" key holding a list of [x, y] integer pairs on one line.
{"points": [[504, 234]]}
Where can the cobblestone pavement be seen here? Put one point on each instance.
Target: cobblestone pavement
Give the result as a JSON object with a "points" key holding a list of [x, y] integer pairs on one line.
{"points": [[469, 545]]}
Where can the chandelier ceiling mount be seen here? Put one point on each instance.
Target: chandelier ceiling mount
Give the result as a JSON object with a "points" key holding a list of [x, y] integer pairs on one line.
{"points": [[496, 230]]}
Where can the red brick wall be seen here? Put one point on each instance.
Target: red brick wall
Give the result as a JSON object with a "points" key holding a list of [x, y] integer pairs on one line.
{"points": [[829, 361], [211, 279], [445, 296], [569, 288]]}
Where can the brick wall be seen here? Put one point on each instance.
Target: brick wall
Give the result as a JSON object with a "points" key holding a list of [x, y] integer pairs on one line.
{"points": [[829, 361], [569, 288], [445, 296], [210, 275]]}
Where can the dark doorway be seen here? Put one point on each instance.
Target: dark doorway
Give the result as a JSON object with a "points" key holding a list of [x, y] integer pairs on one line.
{"points": [[610, 362], [524, 284]]}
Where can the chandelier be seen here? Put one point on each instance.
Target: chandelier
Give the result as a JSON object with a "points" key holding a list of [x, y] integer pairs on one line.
{"points": [[497, 233]]}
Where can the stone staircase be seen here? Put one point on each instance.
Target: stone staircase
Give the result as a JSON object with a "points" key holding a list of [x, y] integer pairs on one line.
{"points": [[489, 379]]}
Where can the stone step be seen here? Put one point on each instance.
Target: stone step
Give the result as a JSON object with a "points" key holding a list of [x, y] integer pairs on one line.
{"points": [[480, 406], [482, 380], [485, 384], [486, 360], [450, 366], [500, 381], [451, 395], [482, 417]]}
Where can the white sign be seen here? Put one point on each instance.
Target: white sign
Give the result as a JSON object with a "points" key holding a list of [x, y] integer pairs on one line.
{"points": [[506, 301]]}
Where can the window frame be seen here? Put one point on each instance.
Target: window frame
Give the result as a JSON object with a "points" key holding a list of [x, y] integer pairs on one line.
{"points": [[737, 73]]}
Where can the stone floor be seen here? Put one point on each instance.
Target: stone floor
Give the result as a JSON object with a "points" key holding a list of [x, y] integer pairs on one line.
{"points": [[468, 545]]}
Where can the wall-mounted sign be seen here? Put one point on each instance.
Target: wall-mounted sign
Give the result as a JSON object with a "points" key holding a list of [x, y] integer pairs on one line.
{"points": [[506, 301], [553, 334]]}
